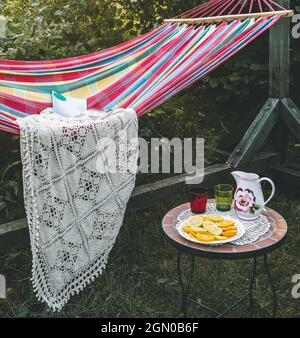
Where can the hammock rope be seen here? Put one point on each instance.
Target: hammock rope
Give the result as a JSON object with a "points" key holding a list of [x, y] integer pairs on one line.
{"points": [[141, 73]]}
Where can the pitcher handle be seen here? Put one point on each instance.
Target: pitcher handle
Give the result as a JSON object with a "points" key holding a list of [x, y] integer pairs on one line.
{"points": [[273, 188]]}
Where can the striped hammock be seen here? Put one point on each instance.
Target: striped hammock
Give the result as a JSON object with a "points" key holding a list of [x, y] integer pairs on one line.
{"points": [[141, 73]]}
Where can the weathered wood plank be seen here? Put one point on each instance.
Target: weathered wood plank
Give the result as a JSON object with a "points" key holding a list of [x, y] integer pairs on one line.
{"points": [[293, 165], [228, 18], [280, 139], [15, 234], [279, 76], [287, 177], [161, 191], [256, 135], [290, 114], [279, 57]]}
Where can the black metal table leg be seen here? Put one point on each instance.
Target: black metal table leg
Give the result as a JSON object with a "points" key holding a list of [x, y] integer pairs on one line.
{"points": [[267, 270], [252, 283], [185, 288], [186, 283]]}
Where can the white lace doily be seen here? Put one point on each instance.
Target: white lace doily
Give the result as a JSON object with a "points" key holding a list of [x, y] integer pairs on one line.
{"points": [[254, 229]]}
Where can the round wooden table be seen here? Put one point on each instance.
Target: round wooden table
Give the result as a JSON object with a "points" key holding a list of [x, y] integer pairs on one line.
{"points": [[272, 240]]}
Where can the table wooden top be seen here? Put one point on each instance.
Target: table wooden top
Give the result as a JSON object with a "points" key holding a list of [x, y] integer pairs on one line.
{"points": [[265, 244]]}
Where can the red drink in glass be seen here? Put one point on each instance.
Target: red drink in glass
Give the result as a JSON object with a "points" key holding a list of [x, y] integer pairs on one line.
{"points": [[198, 199]]}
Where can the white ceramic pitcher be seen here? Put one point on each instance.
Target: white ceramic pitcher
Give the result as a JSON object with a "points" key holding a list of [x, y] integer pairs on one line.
{"points": [[248, 199]]}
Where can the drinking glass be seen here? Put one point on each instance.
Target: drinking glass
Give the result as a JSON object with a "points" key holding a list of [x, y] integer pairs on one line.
{"points": [[223, 197], [198, 199]]}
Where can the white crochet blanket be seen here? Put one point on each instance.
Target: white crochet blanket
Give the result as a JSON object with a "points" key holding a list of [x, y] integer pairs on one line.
{"points": [[74, 207]]}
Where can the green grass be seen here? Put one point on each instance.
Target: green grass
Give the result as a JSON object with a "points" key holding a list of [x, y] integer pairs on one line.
{"points": [[141, 280]]}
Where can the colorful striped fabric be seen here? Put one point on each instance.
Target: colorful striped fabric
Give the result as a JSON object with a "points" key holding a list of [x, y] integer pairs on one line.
{"points": [[139, 74]]}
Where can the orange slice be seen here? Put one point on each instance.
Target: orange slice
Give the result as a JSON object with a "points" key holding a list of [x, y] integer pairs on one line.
{"points": [[229, 233], [186, 229], [216, 218], [192, 236], [220, 238], [226, 223], [214, 230], [231, 228], [205, 238], [197, 230]]}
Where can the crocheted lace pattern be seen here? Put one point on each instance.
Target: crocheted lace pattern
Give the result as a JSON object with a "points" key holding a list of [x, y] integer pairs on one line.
{"points": [[75, 208]]}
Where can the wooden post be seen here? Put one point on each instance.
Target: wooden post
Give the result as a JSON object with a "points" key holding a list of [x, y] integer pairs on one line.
{"points": [[279, 73], [280, 57]]}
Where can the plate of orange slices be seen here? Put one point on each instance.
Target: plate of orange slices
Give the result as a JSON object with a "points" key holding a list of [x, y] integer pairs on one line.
{"points": [[211, 229]]}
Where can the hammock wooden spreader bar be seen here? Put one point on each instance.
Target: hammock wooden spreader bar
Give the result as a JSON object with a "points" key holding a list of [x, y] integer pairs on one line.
{"points": [[229, 18]]}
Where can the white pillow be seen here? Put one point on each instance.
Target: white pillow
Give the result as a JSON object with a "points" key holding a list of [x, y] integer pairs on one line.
{"points": [[68, 106]]}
